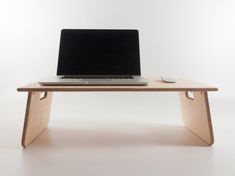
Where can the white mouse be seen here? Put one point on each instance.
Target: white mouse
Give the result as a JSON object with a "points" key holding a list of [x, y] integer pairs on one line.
{"points": [[168, 79]]}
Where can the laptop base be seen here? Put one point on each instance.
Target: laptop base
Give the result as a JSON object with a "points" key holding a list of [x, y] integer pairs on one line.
{"points": [[56, 81]]}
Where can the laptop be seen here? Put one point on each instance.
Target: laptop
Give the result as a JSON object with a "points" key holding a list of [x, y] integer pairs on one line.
{"points": [[98, 57]]}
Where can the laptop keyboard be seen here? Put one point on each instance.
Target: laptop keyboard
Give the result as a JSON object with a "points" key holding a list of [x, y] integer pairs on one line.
{"points": [[97, 77]]}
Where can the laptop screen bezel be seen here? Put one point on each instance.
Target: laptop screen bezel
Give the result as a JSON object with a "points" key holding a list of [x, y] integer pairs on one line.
{"points": [[138, 73]]}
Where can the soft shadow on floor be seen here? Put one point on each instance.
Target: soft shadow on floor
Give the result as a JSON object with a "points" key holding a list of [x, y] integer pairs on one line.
{"points": [[116, 136]]}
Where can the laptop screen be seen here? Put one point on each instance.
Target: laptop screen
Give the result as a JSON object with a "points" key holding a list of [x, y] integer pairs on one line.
{"points": [[99, 52]]}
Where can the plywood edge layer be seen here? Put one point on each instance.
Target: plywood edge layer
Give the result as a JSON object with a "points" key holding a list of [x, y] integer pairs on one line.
{"points": [[69, 89]]}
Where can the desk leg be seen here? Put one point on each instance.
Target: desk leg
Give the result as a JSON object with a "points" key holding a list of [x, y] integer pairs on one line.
{"points": [[196, 114], [36, 116]]}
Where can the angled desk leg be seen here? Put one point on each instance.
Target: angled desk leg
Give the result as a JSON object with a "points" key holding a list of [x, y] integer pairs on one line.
{"points": [[36, 116], [196, 114]]}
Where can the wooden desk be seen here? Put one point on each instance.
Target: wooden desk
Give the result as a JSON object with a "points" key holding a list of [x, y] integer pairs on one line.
{"points": [[193, 98]]}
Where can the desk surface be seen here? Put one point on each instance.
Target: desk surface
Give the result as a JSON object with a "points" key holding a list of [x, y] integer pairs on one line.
{"points": [[153, 85]]}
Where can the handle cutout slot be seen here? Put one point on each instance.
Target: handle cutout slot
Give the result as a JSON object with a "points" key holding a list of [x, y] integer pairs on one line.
{"points": [[189, 95], [43, 95]]}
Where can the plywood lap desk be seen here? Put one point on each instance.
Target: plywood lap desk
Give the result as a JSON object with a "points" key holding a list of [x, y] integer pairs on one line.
{"points": [[193, 99]]}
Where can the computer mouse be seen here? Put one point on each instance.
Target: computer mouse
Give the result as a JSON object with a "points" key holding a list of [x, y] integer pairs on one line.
{"points": [[168, 79]]}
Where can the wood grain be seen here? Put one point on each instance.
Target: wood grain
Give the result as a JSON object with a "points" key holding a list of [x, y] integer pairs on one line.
{"points": [[36, 116], [195, 110], [153, 85], [196, 115]]}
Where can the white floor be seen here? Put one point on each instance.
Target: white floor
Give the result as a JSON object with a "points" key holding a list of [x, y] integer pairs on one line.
{"points": [[116, 134]]}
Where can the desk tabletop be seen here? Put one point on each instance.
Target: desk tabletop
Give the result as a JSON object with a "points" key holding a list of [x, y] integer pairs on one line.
{"points": [[153, 85]]}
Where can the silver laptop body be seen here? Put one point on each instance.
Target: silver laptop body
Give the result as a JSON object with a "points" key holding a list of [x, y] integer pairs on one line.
{"points": [[98, 57]]}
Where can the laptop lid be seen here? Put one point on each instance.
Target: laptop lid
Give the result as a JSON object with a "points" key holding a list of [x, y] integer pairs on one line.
{"points": [[99, 52]]}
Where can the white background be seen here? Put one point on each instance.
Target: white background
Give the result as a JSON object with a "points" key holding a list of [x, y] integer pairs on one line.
{"points": [[182, 38], [119, 133]]}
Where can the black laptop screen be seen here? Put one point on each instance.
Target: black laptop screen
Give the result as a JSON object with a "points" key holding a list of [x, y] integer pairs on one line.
{"points": [[99, 52]]}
